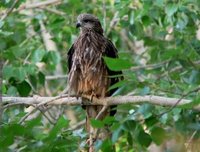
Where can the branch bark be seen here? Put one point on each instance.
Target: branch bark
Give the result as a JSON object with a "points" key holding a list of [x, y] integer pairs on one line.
{"points": [[156, 100]]}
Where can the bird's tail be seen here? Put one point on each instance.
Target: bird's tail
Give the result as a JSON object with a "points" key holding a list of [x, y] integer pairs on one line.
{"points": [[99, 113]]}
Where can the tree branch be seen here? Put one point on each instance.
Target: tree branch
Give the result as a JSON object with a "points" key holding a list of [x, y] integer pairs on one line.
{"points": [[53, 77], [156, 100], [39, 4], [42, 4], [177, 68], [9, 10]]}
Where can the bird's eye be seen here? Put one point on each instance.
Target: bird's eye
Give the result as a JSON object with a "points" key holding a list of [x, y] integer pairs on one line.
{"points": [[86, 21]]}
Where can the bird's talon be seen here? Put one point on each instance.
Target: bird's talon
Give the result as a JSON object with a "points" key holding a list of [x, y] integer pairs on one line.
{"points": [[92, 96]]}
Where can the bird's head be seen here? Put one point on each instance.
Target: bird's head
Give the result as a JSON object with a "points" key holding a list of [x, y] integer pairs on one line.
{"points": [[88, 22]]}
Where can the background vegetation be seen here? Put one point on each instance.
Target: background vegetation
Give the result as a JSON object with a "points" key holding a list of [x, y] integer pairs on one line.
{"points": [[159, 52]]}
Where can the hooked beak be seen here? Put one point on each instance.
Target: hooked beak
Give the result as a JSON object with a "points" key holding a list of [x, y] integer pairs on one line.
{"points": [[78, 24]]}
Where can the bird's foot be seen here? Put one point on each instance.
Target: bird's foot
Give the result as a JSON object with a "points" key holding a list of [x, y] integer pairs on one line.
{"points": [[92, 96]]}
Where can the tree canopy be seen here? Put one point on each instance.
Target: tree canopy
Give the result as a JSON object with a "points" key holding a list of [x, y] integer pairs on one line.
{"points": [[159, 53]]}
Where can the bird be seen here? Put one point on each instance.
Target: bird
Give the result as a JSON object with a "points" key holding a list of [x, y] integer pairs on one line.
{"points": [[88, 73]]}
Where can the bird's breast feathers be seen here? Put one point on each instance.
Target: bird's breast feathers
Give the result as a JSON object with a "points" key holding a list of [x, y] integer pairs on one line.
{"points": [[89, 73]]}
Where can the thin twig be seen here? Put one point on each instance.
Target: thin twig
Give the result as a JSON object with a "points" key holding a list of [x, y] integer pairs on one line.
{"points": [[57, 12], [113, 22], [39, 4], [9, 10], [77, 125], [14, 104], [177, 68], [26, 116], [149, 66], [178, 101], [42, 4], [104, 14], [190, 140], [101, 112], [43, 113], [52, 77]]}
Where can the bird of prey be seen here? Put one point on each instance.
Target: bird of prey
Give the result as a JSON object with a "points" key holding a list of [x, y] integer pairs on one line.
{"points": [[88, 72]]}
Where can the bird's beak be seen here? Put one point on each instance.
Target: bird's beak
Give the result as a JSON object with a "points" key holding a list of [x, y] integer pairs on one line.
{"points": [[78, 24]]}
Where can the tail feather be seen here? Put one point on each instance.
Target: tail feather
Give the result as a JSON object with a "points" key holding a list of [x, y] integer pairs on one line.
{"points": [[91, 113]]}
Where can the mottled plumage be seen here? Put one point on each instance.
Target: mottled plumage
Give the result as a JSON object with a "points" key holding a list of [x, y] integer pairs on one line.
{"points": [[88, 73]]}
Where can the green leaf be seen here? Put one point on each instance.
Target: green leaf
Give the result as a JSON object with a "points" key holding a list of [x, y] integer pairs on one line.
{"points": [[158, 135], [12, 91], [3, 89], [8, 132], [8, 71], [109, 120], [145, 91], [170, 9], [17, 72], [17, 129], [144, 139], [118, 84], [30, 69], [20, 73], [33, 81], [38, 55], [54, 57], [129, 125], [171, 53], [62, 123], [33, 122], [117, 64], [6, 33], [41, 77], [96, 123], [24, 88], [1, 23], [159, 2], [146, 110], [107, 146], [6, 140], [182, 21], [195, 44], [130, 139], [146, 20], [115, 126], [151, 121], [116, 134]]}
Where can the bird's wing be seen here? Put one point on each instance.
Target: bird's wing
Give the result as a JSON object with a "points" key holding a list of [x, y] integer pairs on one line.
{"points": [[112, 52], [69, 57]]}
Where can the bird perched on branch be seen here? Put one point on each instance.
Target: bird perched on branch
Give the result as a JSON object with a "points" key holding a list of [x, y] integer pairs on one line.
{"points": [[88, 73]]}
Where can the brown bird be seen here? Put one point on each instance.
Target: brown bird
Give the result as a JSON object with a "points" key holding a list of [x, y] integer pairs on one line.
{"points": [[88, 73]]}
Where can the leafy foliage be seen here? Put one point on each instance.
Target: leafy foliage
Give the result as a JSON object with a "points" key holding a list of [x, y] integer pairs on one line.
{"points": [[164, 34]]}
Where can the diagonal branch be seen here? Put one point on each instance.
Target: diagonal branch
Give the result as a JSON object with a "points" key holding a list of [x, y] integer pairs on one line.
{"points": [[9, 10], [42, 4]]}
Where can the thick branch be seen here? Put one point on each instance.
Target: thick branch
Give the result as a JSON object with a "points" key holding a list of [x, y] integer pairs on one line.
{"points": [[156, 100]]}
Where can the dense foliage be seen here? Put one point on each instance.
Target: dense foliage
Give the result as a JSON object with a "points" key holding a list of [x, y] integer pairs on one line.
{"points": [[159, 52]]}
